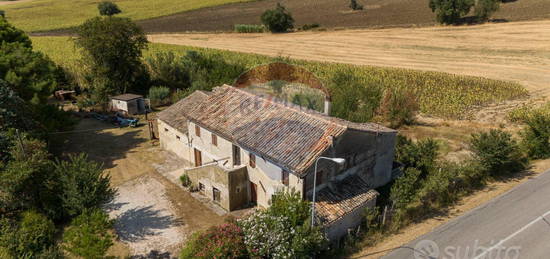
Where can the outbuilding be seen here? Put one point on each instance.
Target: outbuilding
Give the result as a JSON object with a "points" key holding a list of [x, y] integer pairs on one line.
{"points": [[128, 103]]}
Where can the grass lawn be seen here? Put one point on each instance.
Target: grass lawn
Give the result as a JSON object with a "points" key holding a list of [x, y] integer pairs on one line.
{"points": [[440, 94], [42, 15]]}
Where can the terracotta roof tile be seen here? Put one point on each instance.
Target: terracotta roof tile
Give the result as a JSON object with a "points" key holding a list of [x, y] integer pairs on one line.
{"points": [[334, 203], [287, 135]]}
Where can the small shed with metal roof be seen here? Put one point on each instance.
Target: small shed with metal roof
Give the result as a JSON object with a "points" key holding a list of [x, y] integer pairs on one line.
{"points": [[128, 103]]}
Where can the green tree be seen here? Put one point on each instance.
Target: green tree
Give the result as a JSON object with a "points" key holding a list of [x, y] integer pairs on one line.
{"points": [[485, 8], [421, 154], [14, 112], [403, 191], [30, 74], [88, 235], [107, 8], [355, 6], [278, 19], [23, 181], [536, 136], [31, 237], [35, 234], [82, 185], [112, 49], [10, 34], [399, 106], [450, 11], [353, 98], [497, 152]]}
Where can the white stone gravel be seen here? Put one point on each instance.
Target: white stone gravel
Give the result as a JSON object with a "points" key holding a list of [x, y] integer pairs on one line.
{"points": [[145, 218]]}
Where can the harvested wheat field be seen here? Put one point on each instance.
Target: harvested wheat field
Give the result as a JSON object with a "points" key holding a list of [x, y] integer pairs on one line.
{"points": [[517, 51]]}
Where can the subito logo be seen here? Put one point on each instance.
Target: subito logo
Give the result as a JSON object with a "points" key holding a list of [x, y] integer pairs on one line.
{"points": [[426, 249]]}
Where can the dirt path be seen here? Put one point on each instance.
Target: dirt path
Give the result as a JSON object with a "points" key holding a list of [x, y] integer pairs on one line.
{"points": [[518, 51]]}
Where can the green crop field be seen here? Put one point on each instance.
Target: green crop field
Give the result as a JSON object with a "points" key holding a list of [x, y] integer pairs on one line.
{"points": [[440, 94], [43, 15]]}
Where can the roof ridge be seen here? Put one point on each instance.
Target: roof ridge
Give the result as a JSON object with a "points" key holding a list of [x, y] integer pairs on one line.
{"points": [[320, 116]]}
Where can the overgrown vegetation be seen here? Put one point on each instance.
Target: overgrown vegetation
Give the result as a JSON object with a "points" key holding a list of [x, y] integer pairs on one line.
{"points": [[159, 95], [430, 184], [453, 11], [39, 193], [264, 234], [278, 19], [438, 94], [110, 71], [249, 28], [536, 134]]}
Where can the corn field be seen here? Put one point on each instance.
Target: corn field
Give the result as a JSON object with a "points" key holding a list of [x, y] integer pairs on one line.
{"points": [[439, 94]]}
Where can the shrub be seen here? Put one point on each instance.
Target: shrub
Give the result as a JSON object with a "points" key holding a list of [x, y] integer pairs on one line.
{"points": [[354, 98], [307, 27], [159, 94], [185, 181], [10, 34], [2, 13], [249, 28], [268, 236], [450, 11], [82, 185], [497, 152], [355, 6], [224, 241], [32, 235], [108, 8], [267, 232], [403, 191], [485, 8], [278, 19], [290, 204], [168, 69], [536, 136], [421, 155], [88, 235], [399, 106]]}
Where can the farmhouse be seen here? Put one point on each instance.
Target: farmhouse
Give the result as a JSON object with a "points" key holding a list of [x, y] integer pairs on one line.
{"points": [[128, 103], [241, 148]]}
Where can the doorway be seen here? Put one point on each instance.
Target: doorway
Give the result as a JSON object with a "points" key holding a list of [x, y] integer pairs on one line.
{"points": [[253, 193], [198, 157]]}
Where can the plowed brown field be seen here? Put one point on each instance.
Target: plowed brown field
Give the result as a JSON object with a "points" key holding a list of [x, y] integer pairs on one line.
{"points": [[331, 14]]}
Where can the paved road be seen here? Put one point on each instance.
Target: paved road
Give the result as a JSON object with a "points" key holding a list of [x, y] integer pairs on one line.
{"points": [[514, 225]]}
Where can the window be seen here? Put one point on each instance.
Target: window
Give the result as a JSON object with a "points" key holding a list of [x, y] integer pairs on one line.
{"points": [[284, 177], [252, 160], [214, 140], [178, 137], [197, 131], [165, 130], [201, 188], [216, 195]]}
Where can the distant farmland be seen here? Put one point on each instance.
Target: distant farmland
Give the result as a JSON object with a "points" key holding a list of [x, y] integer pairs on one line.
{"points": [[331, 14], [440, 94], [43, 15]]}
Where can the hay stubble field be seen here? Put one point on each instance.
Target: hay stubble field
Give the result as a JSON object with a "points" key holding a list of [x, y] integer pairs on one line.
{"points": [[517, 52]]}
